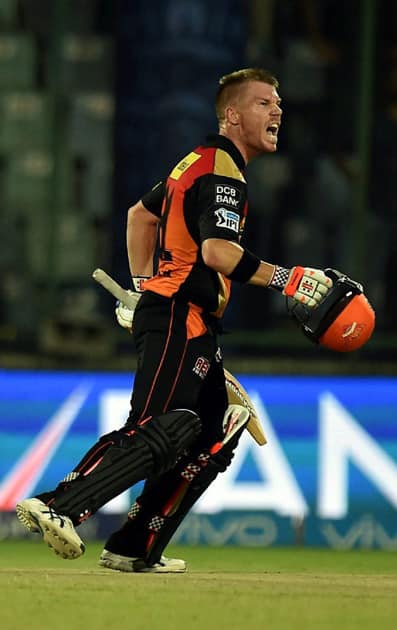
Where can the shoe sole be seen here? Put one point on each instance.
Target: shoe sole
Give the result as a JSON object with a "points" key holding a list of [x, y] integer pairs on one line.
{"points": [[115, 566], [159, 569], [53, 535], [137, 566], [168, 566]]}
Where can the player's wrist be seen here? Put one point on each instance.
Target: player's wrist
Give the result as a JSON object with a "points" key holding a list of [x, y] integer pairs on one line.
{"points": [[280, 278], [245, 268]]}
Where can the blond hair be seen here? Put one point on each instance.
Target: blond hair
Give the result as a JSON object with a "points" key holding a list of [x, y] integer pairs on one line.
{"points": [[230, 84]]}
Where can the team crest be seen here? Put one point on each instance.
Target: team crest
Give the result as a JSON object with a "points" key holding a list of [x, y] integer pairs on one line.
{"points": [[201, 367]]}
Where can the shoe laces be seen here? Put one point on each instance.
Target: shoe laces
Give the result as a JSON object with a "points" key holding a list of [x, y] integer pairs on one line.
{"points": [[54, 516]]}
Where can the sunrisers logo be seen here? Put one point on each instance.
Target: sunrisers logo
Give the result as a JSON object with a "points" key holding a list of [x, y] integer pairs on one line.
{"points": [[227, 219]]}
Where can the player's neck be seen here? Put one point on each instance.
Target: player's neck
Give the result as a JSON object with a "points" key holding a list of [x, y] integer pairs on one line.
{"points": [[241, 146]]}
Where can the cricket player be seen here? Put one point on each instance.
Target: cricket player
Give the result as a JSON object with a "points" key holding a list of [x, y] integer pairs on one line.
{"points": [[181, 432]]}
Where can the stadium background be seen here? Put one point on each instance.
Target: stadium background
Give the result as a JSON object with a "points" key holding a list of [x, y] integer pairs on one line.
{"points": [[97, 100]]}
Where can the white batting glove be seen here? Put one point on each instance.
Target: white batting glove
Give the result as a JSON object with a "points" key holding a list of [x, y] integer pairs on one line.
{"points": [[125, 314], [303, 284]]}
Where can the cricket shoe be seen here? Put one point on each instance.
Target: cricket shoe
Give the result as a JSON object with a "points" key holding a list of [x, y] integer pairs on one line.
{"points": [[57, 530], [138, 565]]}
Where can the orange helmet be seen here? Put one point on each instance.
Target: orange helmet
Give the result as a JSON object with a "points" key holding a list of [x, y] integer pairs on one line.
{"points": [[343, 321], [352, 327]]}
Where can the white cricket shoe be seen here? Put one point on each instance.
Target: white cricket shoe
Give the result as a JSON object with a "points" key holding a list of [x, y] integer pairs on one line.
{"points": [[58, 531], [138, 565]]}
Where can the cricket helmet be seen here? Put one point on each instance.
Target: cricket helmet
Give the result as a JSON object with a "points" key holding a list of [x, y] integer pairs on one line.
{"points": [[343, 321]]}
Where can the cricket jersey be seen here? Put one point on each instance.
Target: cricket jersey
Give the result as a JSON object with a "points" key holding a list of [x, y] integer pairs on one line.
{"points": [[204, 196]]}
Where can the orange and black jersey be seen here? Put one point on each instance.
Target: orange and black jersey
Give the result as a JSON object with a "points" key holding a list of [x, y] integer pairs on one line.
{"points": [[204, 197]]}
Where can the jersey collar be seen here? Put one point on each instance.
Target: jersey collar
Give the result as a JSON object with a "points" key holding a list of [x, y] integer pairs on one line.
{"points": [[221, 142]]}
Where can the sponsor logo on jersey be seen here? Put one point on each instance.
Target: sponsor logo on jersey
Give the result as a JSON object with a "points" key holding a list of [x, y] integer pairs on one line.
{"points": [[201, 367], [227, 219], [227, 195]]}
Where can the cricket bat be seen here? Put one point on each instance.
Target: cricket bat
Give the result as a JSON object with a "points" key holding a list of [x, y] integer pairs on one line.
{"points": [[235, 391], [237, 395]]}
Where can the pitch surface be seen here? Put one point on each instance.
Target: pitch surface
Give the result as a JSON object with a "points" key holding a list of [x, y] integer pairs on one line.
{"points": [[231, 588]]}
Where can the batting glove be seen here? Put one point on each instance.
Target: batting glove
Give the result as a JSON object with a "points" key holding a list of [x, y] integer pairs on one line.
{"points": [[125, 314], [304, 284]]}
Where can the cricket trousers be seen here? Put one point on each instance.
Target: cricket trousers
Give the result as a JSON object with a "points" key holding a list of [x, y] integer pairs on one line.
{"points": [[179, 366]]}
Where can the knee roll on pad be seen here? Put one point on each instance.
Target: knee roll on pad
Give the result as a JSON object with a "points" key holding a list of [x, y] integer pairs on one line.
{"points": [[169, 435], [152, 448]]}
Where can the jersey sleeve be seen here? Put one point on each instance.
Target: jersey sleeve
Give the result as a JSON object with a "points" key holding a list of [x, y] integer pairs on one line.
{"points": [[153, 200], [222, 202]]}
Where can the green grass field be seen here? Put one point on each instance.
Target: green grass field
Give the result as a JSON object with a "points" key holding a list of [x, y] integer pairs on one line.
{"points": [[229, 588]]}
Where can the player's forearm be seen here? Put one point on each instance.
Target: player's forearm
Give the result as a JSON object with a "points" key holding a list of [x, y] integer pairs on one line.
{"points": [[142, 228], [224, 256], [264, 274], [304, 284]]}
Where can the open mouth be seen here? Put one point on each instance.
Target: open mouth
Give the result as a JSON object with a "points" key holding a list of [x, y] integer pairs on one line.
{"points": [[272, 130]]}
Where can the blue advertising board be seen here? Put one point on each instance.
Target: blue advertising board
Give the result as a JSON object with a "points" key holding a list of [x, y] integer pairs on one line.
{"points": [[328, 475]]}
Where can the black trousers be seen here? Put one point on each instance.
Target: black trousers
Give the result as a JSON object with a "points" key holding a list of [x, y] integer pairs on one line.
{"points": [[179, 366]]}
